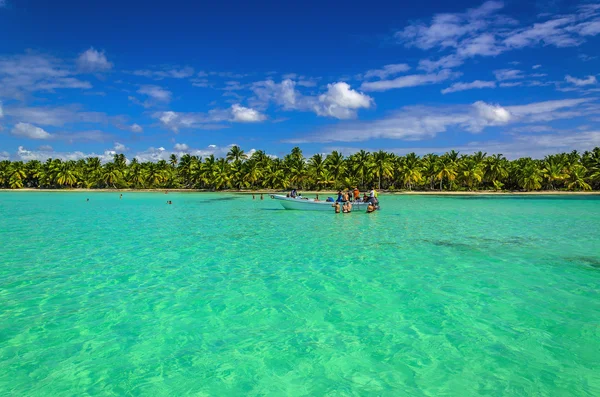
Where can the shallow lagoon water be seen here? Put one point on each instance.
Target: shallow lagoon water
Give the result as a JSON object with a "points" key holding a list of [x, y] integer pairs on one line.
{"points": [[219, 295]]}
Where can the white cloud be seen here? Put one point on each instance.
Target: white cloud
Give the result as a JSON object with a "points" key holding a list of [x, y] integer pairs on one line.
{"points": [[156, 93], [446, 62], [181, 147], [212, 120], [119, 147], [92, 60], [136, 128], [56, 116], [483, 31], [166, 73], [342, 102], [549, 110], [469, 86], [339, 101], [246, 115], [535, 146], [412, 80], [590, 80], [31, 72], [508, 74], [1, 110], [482, 45], [43, 154], [446, 30], [534, 67], [386, 71], [421, 122], [491, 114], [511, 84], [551, 32], [283, 94], [30, 131]]}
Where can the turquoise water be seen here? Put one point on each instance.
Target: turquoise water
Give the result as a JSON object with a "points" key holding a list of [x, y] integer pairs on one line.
{"points": [[220, 295]]}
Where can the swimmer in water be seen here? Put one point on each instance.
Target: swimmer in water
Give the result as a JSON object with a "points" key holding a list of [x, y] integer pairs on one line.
{"points": [[337, 207]]}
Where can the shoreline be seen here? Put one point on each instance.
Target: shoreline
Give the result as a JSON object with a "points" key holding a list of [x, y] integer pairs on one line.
{"points": [[313, 192]]}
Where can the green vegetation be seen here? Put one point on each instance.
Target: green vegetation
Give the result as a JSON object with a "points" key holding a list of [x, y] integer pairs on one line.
{"points": [[451, 171]]}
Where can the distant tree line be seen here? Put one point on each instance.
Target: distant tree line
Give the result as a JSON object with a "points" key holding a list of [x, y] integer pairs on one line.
{"points": [[450, 171]]}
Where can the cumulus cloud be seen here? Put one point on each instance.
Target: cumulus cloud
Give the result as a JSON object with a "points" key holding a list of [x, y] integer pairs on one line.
{"points": [[421, 122], [92, 60], [590, 80], [181, 147], [30, 131], [342, 102], [246, 115], [283, 94], [469, 86], [211, 120], [119, 147], [339, 101], [136, 128], [412, 80], [42, 154], [155, 93], [386, 71]]}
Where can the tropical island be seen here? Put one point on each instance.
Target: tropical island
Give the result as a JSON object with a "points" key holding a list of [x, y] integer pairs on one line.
{"points": [[449, 172]]}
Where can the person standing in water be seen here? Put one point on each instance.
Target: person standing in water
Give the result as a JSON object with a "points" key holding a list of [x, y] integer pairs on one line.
{"points": [[356, 194], [337, 207], [261, 196]]}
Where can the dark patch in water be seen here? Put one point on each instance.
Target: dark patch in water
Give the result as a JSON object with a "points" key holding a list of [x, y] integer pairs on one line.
{"points": [[452, 244], [505, 241], [586, 260], [220, 199]]}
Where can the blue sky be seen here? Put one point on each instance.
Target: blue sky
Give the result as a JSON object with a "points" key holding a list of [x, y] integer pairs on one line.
{"points": [[151, 79]]}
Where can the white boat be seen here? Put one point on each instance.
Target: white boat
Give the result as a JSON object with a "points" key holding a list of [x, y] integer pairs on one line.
{"points": [[306, 204]]}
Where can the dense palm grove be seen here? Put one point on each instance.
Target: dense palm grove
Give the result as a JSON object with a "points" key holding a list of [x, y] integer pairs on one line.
{"points": [[451, 171]]}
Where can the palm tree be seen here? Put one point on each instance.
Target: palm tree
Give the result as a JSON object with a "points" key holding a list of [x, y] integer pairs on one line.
{"points": [[316, 169], [430, 167], [577, 178], [384, 166], [495, 170], [447, 170], [173, 160], [472, 171], [236, 154], [334, 162], [66, 175], [531, 177]]}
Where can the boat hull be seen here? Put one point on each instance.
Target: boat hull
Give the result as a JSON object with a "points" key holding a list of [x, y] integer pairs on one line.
{"points": [[310, 205]]}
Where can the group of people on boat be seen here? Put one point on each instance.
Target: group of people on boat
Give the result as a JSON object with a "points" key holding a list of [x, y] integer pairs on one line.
{"points": [[345, 198]]}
